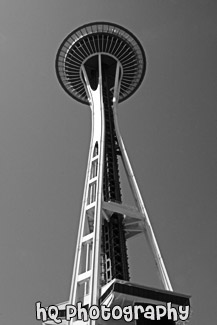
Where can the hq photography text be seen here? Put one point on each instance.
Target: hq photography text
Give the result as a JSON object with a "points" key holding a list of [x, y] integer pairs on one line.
{"points": [[128, 313]]}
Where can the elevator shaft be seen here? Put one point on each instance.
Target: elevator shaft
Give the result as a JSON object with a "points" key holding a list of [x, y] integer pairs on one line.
{"points": [[114, 249]]}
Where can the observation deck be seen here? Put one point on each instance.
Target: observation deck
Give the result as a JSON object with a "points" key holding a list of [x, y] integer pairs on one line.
{"points": [[108, 39]]}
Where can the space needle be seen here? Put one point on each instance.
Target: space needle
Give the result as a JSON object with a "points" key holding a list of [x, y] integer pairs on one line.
{"points": [[102, 64]]}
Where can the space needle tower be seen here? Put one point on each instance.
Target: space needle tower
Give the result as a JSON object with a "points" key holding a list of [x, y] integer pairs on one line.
{"points": [[102, 64]]}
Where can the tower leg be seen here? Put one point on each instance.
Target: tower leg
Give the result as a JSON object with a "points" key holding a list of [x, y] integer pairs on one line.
{"points": [[86, 274], [147, 228]]}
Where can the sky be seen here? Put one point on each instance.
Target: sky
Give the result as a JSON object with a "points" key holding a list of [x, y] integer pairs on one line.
{"points": [[168, 127]]}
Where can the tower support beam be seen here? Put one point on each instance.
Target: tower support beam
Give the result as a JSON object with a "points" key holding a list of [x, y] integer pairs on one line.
{"points": [[147, 228], [87, 254]]}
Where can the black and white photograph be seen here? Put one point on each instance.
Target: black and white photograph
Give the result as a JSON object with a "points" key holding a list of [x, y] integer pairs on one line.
{"points": [[108, 162]]}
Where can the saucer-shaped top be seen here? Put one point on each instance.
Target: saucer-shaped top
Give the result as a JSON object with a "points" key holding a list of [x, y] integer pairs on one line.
{"points": [[107, 39]]}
